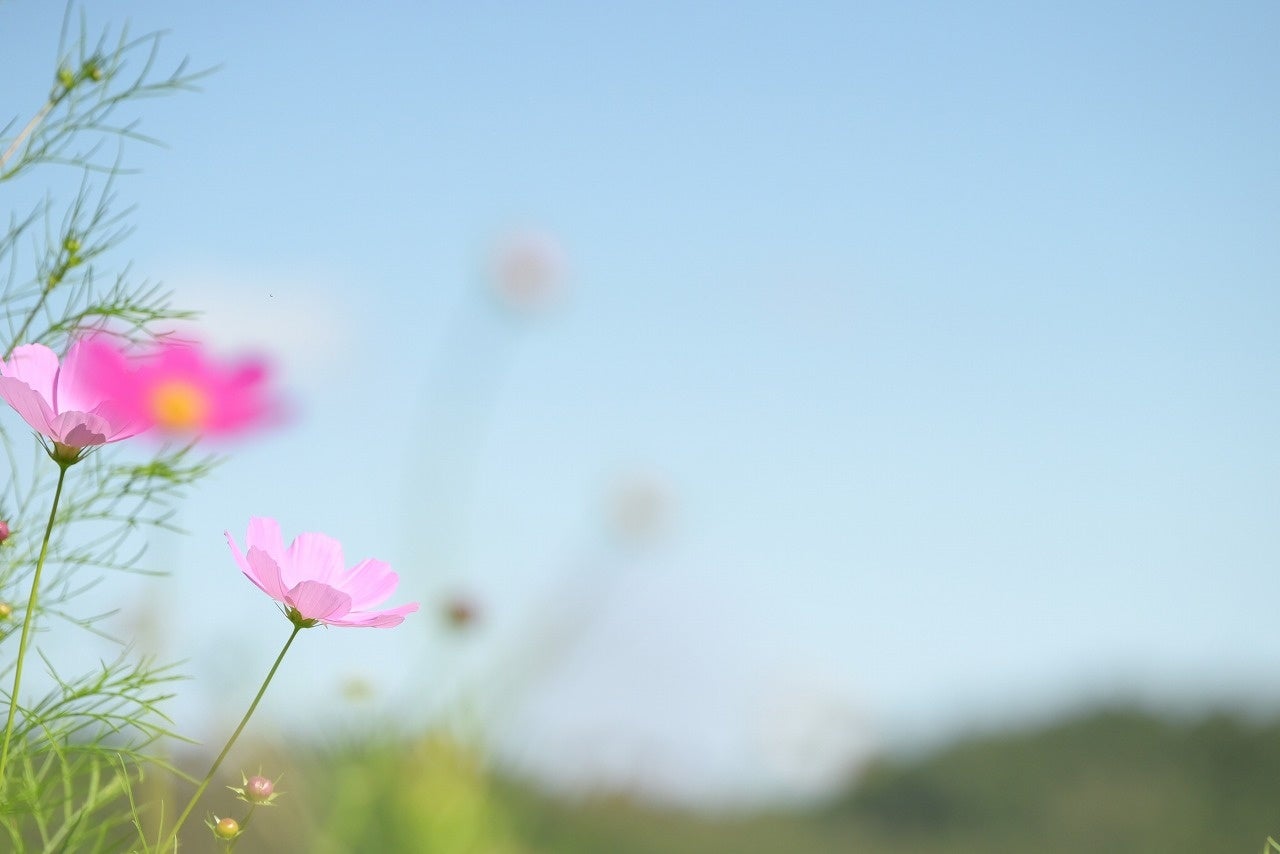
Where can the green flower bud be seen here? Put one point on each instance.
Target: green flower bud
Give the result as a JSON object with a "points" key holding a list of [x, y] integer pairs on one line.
{"points": [[226, 828]]}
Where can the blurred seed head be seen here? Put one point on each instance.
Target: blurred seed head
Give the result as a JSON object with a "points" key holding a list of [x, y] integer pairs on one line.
{"points": [[357, 689], [460, 612], [527, 270], [639, 507]]}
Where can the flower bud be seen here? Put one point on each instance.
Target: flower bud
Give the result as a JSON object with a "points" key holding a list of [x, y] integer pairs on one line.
{"points": [[226, 828], [6, 610], [4, 530], [257, 790]]}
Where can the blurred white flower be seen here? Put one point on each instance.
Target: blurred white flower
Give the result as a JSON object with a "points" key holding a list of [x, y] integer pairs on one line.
{"points": [[813, 741]]}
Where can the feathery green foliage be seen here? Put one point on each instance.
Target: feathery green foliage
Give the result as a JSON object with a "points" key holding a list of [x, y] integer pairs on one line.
{"points": [[80, 747]]}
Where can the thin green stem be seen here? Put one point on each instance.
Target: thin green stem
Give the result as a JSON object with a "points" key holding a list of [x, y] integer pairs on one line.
{"points": [[172, 838], [244, 825], [26, 132], [28, 619], [65, 261]]}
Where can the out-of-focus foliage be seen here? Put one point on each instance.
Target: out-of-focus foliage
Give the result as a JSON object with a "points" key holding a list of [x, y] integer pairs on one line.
{"points": [[1114, 781], [1121, 781], [440, 800], [83, 741]]}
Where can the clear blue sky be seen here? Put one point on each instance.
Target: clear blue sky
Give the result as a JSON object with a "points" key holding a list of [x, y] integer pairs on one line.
{"points": [[950, 328]]}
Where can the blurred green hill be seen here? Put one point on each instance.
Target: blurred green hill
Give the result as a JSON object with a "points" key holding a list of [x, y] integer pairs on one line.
{"points": [[1115, 780]]}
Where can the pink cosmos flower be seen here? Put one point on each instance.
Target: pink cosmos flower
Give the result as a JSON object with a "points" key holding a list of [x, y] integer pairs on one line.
{"points": [[179, 389], [61, 401], [308, 578]]}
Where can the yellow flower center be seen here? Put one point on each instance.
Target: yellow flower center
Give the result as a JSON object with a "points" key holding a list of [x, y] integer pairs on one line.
{"points": [[179, 405]]}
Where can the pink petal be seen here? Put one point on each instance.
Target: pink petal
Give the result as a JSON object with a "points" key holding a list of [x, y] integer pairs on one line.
{"points": [[368, 583], [264, 533], [100, 371], [120, 422], [85, 376], [376, 619], [27, 402], [313, 557], [34, 365], [317, 601], [80, 429], [265, 572], [236, 553], [181, 360]]}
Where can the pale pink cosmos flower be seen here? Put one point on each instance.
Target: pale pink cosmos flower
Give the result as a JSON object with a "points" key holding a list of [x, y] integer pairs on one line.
{"points": [[61, 401], [177, 387], [310, 580]]}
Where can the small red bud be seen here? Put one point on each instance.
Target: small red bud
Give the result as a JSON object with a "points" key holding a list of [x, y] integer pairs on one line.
{"points": [[257, 790], [4, 530]]}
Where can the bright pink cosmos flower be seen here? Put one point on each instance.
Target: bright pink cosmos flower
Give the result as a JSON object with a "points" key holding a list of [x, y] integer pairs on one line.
{"points": [[61, 401], [308, 578], [177, 388]]}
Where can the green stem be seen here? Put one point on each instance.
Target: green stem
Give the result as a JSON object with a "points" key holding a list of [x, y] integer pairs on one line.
{"points": [[244, 824], [28, 619], [26, 132], [172, 838], [54, 277]]}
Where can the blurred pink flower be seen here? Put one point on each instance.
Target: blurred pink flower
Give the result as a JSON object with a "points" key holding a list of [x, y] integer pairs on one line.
{"points": [[177, 388], [62, 402], [309, 580]]}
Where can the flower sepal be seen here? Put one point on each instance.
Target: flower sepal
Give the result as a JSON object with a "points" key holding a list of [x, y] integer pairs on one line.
{"points": [[298, 620], [65, 455]]}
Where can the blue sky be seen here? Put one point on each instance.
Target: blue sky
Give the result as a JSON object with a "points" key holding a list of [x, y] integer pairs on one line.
{"points": [[949, 330]]}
